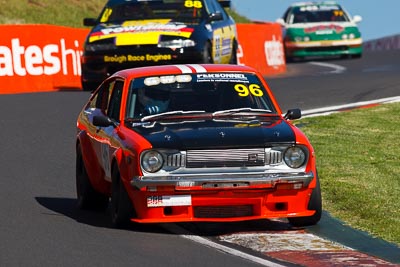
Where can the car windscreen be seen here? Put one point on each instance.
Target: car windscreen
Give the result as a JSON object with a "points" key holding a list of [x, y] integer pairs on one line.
{"points": [[175, 10], [310, 14], [206, 92]]}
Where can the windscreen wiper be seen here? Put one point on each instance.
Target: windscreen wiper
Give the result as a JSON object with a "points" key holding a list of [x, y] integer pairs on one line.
{"points": [[239, 110], [170, 113]]}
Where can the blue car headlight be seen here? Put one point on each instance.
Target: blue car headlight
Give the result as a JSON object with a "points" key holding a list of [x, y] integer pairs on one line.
{"points": [[175, 43], [93, 47]]}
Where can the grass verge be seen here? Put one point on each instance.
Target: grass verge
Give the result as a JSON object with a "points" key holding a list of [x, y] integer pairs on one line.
{"points": [[358, 160], [65, 13]]}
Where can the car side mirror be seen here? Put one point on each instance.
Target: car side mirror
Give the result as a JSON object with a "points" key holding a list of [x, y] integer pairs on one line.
{"points": [[89, 22], [357, 19], [103, 121], [293, 114], [215, 17], [280, 21]]}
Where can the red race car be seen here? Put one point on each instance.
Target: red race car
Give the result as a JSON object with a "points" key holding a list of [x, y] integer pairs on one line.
{"points": [[181, 143]]}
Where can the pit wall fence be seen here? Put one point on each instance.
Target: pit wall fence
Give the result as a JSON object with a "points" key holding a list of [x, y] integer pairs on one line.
{"points": [[43, 58], [383, 44]]}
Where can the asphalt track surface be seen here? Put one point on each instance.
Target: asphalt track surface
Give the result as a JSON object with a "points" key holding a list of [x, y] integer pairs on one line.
{"points": [[41, 226], [316, 84]]}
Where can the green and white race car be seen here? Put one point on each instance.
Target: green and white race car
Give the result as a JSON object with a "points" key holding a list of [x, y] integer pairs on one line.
{"points": [[320, 29]]}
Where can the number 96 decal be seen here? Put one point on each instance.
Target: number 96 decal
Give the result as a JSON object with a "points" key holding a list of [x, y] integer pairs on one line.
{"points": [[253, 89]]}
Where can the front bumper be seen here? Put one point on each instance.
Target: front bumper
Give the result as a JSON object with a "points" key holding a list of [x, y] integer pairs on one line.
{"points": [[98, 66], [221, 198], [236, 180], [323, 48]]}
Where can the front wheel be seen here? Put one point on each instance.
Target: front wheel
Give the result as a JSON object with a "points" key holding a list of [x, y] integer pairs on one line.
{"points": [[314, 204], [233, 59], [121, 205], [207, 54], [355, 56]]}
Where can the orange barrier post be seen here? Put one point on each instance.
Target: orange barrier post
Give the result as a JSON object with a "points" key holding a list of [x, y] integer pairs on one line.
{"points": [[40, 58], [261, 47]]}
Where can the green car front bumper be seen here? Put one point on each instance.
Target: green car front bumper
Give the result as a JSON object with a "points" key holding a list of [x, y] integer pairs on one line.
{"points": [[324, 48]]}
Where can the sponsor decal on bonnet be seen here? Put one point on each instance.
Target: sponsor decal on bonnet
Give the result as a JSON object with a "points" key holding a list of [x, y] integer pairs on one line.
{"points": [[332, 27]]}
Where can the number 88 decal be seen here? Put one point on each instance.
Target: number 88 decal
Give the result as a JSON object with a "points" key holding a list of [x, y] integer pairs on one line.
{"points": [[193, 4], [253, 89]]}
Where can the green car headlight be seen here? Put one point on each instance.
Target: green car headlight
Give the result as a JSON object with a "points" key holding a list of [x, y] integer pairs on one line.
{"points": [[152, 161], [298, 39], [295, 156]]}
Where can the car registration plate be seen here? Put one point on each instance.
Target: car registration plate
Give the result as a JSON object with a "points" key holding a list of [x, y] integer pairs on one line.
{"points": [[165, 201]]}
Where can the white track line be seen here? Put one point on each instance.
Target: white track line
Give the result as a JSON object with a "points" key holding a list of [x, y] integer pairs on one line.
{"points": [[334, 109], [336, 68]]}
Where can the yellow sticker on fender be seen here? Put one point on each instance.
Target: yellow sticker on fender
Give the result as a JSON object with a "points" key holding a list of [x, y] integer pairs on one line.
{"points": [[106, 15]]}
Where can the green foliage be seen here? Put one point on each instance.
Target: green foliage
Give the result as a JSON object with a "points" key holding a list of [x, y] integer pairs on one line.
{"points": [[358, 160], [237, 17], [65, 13]]}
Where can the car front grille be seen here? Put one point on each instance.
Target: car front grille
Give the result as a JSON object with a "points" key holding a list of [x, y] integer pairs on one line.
{"points": [[218, 158], [327, 48], [225, 158]]}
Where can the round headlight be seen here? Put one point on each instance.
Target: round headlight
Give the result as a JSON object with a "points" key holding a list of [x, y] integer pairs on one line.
{"points": [[152, 161], [295, 157]]}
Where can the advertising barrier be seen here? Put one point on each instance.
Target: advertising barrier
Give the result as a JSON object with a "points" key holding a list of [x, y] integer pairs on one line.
{"points": [[40, 58], [261, 47]]}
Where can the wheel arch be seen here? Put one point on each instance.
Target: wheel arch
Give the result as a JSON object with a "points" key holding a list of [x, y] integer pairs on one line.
{"points": [[96, 177]]}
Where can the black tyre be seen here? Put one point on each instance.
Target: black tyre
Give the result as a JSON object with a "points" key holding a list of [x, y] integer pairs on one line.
{"points": [[207, 54], [233, 59], [356, 56], [121, 206], [314, 204], [289, 59], [89, 86], [88, 197]]}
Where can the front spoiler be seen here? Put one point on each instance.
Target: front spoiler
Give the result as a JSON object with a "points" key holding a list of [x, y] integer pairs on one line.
{"points": [[222, 180], [324, 48]]}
